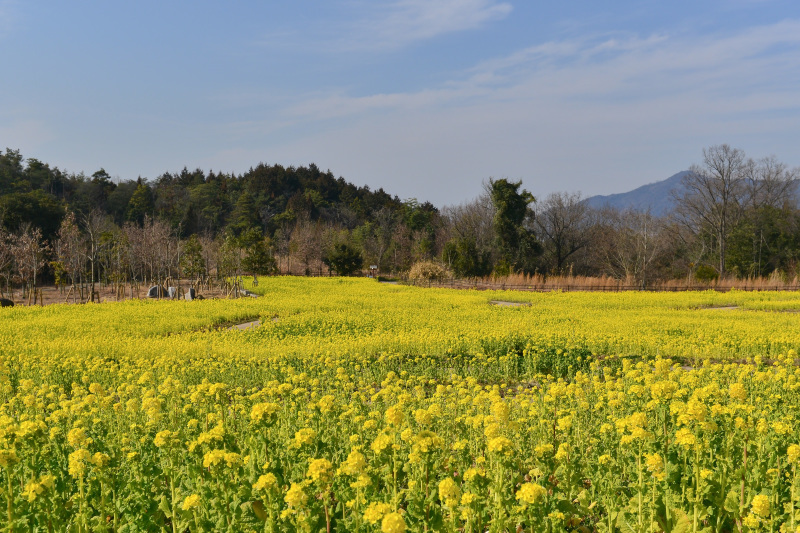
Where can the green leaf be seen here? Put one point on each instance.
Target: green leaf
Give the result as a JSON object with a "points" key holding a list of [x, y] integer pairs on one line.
{"points": [[732, 502], [624, 521], [258, 509], [165, 507], [683, 524]]}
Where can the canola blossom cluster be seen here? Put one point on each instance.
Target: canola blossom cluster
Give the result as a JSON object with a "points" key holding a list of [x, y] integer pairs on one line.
{"points": [[357, 406]]}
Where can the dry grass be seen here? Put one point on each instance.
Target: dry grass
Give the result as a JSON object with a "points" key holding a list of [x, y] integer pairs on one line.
{"points": [[539, 282]]}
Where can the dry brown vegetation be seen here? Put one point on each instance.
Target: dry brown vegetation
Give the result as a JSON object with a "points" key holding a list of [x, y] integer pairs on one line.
{"points": [[539, 282]]}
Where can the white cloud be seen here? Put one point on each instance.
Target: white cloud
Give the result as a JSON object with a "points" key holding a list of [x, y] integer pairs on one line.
{"points": [[601, 114], [619, 109], [630, 69], [402, 22]]}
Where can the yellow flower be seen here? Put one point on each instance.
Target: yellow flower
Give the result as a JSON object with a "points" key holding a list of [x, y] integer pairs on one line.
{"points": [[163, 438], [563, 451], [376, 511], [191, 502], [460, 445], [266, 482], [542, 449], [737, 392], [426, 442], [320, 471], [793, 453], [361, 483], [382, 442], [100, 459], [393, 523], [355, 463], [213, 458], [468, 498], [760, 505], [8, 458], [472, 473], [449, 493], [531, 493], [48, 481], [423, 417], [685, 438], [233, 459], [492, 430], [751, 521], [296, 496], [77, 462], [263, 412], [654, 463], [304, 436], [394, 415], [501, 411], [501, 445], [76, 437]]}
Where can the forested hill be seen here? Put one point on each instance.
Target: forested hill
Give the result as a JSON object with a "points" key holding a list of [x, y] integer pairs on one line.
{"points": [[658, 197], [192, 202]]}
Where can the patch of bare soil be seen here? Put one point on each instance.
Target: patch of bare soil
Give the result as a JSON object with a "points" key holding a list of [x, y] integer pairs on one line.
{"points": [[503, 303], [246, 325]]}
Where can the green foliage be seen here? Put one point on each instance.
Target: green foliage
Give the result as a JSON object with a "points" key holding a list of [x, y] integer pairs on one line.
{"points": [[343, 259], [706, 273], [257, 257], [192, 263], [141, 204], [764, 240], [244, 214], [36, 207], [518, 245], [465, 259]]}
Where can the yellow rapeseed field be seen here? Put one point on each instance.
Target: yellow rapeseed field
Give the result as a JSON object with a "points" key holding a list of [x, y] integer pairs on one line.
{"points": [[358, 406]]}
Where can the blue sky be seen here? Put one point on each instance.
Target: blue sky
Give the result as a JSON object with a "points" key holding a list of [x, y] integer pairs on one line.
{"points": [[425, 98]]}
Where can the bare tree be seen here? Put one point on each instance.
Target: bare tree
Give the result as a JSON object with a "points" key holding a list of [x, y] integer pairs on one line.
{"points": [[29, 256], [712, 197], [153, 250], [94, 224], [631, 241], [306, 244], [769, 183], [401, 250], [114, 259], [6, 257], [70, 251], [472, 220], [563, 221], [377, 236], [210, 253]]}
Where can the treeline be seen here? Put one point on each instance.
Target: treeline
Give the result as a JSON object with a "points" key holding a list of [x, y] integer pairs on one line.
{"points": [[270, 219], [734, 217]]}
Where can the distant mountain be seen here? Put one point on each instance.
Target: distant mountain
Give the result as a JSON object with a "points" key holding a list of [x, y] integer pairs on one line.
{"points": [[654, 196]]}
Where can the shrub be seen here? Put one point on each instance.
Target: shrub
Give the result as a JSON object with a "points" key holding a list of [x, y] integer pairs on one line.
{"points": [[428, 271]]}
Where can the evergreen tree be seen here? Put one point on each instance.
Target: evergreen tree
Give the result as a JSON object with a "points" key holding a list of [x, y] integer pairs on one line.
{"points": [[141, 203], [257, 258], [343, 259], [518, 245], [192, 263]]}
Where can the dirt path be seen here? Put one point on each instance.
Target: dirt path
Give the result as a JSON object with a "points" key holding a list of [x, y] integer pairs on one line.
{"points": [[246, 325], [503, 303]]}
